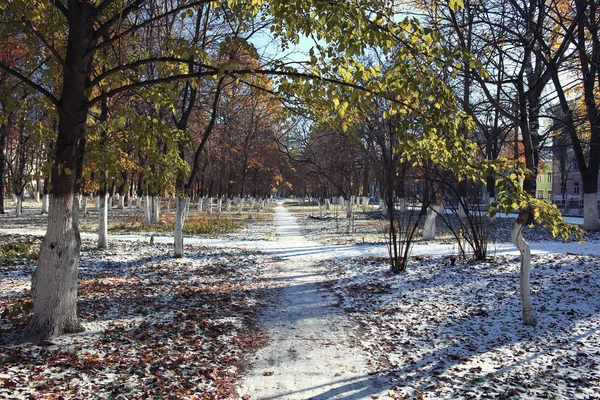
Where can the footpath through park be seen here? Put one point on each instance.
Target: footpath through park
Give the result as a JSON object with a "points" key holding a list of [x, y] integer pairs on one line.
{"points": [[311, 353]]}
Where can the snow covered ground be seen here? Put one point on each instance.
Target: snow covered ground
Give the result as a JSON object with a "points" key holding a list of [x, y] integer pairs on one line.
{"points": [[187, 328]]}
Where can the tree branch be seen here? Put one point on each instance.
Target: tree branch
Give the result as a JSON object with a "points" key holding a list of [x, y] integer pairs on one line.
{"points": [[139, 63], [31, 84], [207, 131], [45, 41], [106, 26], [139, 84], [59, 6]]}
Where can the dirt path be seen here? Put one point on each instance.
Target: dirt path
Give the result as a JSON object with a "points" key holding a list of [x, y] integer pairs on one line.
{"points": [[310, 354]]}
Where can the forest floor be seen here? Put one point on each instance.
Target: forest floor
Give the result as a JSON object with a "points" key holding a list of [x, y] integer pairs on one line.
{"points": [[286, 311]]}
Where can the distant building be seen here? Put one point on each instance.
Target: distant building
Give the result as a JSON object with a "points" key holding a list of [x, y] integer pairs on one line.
{"points": [[544, 181]]}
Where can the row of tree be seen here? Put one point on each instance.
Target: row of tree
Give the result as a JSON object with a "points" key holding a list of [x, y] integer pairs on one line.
{"points": [[175, 96]]}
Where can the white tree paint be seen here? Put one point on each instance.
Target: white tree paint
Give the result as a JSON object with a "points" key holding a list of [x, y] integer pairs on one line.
{"points": [[210, 205], [84, 201], [219, 204], [178, 234], [148, 210], [228, 204], [349, 208], [591, 222], [327, 204], [383, 208], [103, 223], [45, 204], [138, 202], [155, 209], [241, 206], [121, 202], [429, 226], [18, 206], [320, 208], [54, 281], [529, 317], [200, 204]]}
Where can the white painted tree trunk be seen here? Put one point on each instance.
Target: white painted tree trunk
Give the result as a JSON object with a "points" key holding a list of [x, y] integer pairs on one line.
{"points": [[103, 223], [19, 206], [84, 201], [121, 201], [138, 202], [429, 226], [155, 209], [169, 205], [36, 196], [327, 204], [320, 208], [228, 204], [383, 208], [54, 281], [241, 206], [45, 204], [148, 210], [349, 208], [219, 205], [210, 205], [591, 222], [529, 317], [179, 221], [200, 205]]}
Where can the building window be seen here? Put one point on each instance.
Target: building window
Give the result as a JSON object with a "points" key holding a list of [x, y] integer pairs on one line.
{"points": [[549, 194], [540, 194], [549, 177], [575, 187]]}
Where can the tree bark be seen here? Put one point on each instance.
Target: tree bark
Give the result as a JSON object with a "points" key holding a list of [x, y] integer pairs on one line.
{"points": [[429, 226], [178, 234], [529, 317], [103, 221], [54, 281]]}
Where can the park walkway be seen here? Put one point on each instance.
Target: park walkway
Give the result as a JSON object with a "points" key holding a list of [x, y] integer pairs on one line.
{"points": [[310, 354]]}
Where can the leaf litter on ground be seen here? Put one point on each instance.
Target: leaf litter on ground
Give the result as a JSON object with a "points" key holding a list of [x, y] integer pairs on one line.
{"points": [[155, 326]]}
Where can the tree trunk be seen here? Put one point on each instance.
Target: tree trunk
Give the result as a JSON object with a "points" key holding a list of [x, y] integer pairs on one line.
{"points": [[45, 203], [54, 281], [121, 202], [320, 208], [138, 202], [241, 206], [210, 205], [429, 226], [84, 202], [529, 317], [349, 208], [200, 204], [156, 209], [591, 221], [219, 205], [178, 234], [103, 222], [19, 205]]}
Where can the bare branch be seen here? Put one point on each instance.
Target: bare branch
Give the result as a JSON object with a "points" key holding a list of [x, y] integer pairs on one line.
{"points": [[108, 24]]}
